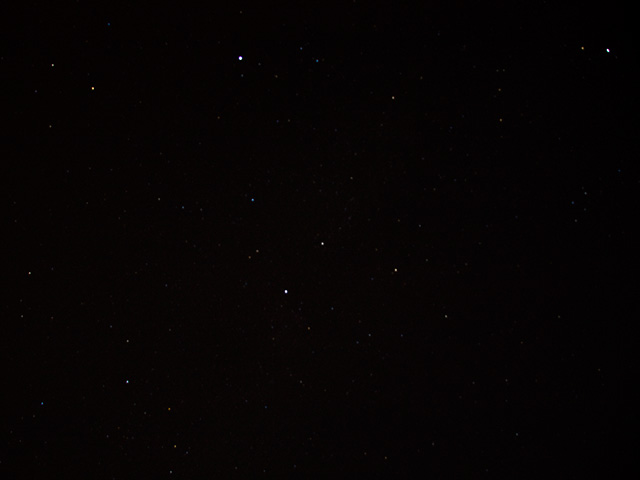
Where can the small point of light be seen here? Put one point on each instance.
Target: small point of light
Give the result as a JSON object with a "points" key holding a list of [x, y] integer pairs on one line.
{"points": [[93, 88], [253, 199], [41, 403], [240, 57], [126, 381], [53, 64], [608, 51], [286, 291]]}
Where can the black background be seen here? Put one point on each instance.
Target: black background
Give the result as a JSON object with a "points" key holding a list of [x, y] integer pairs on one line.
{"points": [[445, 191]]}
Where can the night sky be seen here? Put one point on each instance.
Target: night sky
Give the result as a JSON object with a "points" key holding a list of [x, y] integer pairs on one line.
{"points": [[348, 241]]}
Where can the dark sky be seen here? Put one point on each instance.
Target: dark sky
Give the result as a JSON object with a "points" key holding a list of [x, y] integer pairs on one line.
{"points": [[353, 241]]}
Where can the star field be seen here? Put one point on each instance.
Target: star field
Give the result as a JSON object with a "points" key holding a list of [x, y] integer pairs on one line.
{"points": [[370, 240]]}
